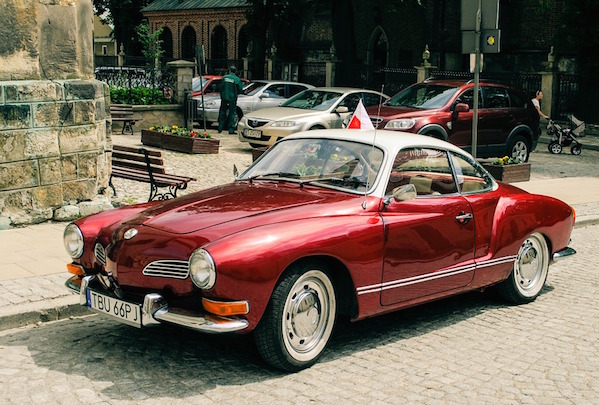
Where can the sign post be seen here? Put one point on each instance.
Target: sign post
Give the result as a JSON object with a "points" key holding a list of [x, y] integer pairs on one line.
{"points": [[480, 33]]}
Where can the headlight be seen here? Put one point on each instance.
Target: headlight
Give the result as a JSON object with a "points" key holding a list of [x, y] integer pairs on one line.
{"points": [[202, 269], [210, 103], [285, 124], [405, 123], [73, 241]]}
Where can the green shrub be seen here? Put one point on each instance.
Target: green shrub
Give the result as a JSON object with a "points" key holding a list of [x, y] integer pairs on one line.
{"points": [[137, 96]]}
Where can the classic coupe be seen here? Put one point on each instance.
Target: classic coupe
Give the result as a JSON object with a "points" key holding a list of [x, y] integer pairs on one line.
{"points": [[326, 222]]}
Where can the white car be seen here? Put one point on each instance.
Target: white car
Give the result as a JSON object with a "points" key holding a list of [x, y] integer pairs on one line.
{"points": [[256, 95], [317, 108]]}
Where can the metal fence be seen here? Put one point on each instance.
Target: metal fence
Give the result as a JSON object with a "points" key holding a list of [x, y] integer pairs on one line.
{"points": [[161, 81], [567, 96], [313, 73]]}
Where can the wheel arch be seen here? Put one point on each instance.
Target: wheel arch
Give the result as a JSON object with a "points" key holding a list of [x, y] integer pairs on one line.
{"points": [[347, 303], [431, 129], [522, 130]]}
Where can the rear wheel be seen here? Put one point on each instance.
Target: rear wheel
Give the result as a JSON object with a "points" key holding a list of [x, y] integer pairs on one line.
{"points": [[529, 273], [299, 319], [555, 148], [576, 149], [519, 149]]}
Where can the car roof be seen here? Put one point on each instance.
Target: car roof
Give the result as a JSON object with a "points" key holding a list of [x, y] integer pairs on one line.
{"points": [[281, 82], [344, 89], [391, 141]]}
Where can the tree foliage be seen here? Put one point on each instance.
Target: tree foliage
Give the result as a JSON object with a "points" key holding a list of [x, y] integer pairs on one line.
{"points": [[151, 44], [124, 16]]}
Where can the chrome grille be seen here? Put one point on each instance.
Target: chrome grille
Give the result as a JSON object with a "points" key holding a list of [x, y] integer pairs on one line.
{"points": [[100, 253], [167, 268], [376, 120], [256, 123]]}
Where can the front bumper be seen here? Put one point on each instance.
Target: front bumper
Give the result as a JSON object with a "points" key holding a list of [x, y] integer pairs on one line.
{"points": [[155, 310], [564, 253], [211, 114]]}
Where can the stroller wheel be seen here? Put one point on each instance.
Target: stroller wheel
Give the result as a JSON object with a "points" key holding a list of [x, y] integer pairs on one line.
{"points": [[576, 149], [555, 148]]}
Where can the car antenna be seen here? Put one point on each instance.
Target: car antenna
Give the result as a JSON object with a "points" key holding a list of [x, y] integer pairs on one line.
{"points": [[373, 142]]}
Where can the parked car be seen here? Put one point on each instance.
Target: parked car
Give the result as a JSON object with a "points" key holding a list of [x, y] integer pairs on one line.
{"points": [[317, 108], [256, 95], [326, 222], [508, 123], [208, 84]]}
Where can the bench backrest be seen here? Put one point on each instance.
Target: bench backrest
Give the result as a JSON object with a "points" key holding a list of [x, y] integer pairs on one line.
{"points": [[121, 109], [134, 158]]}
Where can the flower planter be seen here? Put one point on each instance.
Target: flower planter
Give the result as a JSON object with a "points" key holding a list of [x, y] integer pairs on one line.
{"points": [[178, 143], [509, 173]]}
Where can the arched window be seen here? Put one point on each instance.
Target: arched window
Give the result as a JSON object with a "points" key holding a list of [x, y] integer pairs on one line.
{"points": [[188, 43], [218, 47], [378, 48], [167, 43]]}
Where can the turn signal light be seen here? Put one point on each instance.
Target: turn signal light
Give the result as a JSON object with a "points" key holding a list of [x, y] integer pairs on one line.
{"points": [[226, 308], [75, 269]]}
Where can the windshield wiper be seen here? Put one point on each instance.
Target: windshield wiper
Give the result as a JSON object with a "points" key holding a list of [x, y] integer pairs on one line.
{"points": [[283, 175], [334, 179]]}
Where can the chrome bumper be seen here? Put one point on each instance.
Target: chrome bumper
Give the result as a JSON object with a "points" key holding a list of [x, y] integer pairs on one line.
{"points": [[155, 310], [562, 254]]}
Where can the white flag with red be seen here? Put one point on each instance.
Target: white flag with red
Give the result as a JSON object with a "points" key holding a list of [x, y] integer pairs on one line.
{"points": [[360, 119]]}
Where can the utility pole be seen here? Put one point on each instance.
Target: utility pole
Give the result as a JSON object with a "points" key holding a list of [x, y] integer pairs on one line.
{"points": [[476, 77]]}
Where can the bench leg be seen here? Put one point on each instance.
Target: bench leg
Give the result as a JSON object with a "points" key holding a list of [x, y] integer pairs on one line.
{"points": [[111, 185]]}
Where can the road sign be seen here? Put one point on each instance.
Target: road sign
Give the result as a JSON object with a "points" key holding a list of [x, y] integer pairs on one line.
{"points": [[489, 41], [490, 15]]}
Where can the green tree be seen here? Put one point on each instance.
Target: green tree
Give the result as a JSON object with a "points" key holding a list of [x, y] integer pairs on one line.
{"points": [[151, 44], [124, 16]]}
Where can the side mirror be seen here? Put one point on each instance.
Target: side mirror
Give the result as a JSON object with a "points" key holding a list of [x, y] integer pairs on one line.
{"points": [[462, 107], [264, 95], [404, 193], [341, 110]]}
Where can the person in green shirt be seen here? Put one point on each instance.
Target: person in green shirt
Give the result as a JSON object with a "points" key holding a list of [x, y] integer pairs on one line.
{"points": [[229, 89]]}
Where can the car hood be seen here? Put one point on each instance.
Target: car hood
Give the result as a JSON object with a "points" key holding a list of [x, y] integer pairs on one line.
{"points": [[224, 204], [288, 113]]}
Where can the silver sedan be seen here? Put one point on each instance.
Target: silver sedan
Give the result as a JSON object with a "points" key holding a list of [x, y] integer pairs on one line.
{"points": [[318, 108]]}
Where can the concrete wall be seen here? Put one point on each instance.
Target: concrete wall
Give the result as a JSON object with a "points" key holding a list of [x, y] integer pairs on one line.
{"points": [[53, 113]]}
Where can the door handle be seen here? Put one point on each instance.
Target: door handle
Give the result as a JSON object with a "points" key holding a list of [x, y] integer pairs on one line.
{"points": [[464, 218]]}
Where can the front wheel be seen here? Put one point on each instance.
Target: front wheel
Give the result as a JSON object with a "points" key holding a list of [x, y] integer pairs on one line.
{"points": [[555, 148], [299, 319], [576, 150], [529, 273]]}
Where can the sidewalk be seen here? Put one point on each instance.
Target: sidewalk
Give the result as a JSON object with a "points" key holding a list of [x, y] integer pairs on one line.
{"points": [[33, 259]]}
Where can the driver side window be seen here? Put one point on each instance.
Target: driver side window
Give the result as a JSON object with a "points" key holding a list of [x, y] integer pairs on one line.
{"points": [[471, 177]]}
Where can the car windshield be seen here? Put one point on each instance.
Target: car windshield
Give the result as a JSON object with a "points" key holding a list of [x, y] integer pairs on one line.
{"points": [[253, 88], [313, 100], [423, 96], [340, 164]]}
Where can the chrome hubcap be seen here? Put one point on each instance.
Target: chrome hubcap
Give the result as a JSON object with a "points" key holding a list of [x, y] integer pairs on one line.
{"points": [[531, 265], [309, 314], [519, 151]]}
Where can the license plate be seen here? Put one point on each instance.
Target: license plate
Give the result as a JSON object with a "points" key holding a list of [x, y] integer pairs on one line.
{"points": [[253, 133], [125, 312]]}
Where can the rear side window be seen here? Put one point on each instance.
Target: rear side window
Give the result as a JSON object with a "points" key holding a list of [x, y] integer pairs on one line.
{"points": [[496, 97], [372, 99], [294, 89], [470, 175], [517, 100]]}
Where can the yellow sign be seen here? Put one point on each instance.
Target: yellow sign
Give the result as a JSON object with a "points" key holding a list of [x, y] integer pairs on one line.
{"points": [[491, 40]]}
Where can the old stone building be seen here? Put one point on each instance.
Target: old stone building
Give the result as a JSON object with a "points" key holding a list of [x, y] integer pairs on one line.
{"points": [[53, 113]]}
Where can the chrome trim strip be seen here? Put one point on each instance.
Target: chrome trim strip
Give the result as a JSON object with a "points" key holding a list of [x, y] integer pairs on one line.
{"points": [[432, 276], [564, 253]]}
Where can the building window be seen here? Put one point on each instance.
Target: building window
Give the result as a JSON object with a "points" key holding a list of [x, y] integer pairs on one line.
{"points": [[104, 50]]}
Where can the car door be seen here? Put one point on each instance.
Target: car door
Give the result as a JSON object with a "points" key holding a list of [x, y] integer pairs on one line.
{"points": [[272, 95], [461, 131], [499, 118], [429, 240]]}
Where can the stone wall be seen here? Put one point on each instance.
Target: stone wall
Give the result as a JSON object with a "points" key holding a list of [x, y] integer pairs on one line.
{"points": [[53, 139], [53, 114]]}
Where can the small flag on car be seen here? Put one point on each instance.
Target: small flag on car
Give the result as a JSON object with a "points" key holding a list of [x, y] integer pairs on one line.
{"points": [[360, 119]]}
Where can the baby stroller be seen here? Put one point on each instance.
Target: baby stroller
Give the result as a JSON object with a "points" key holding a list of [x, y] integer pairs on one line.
{"points": [[562, 137]]}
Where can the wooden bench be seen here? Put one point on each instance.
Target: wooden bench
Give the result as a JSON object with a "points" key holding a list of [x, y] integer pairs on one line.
{"points": [[146, 166], [124, 113]]}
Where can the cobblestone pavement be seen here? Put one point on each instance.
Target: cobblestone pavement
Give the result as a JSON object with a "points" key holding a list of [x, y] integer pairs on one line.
{"points": [[471, 349]]}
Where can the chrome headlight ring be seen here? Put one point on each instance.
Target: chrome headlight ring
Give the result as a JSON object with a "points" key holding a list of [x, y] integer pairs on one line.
{"points": [[202, 269], [73, 241]]}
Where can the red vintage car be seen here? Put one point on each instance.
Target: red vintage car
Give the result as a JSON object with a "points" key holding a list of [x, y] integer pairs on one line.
{"points": [[326, 222]]}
